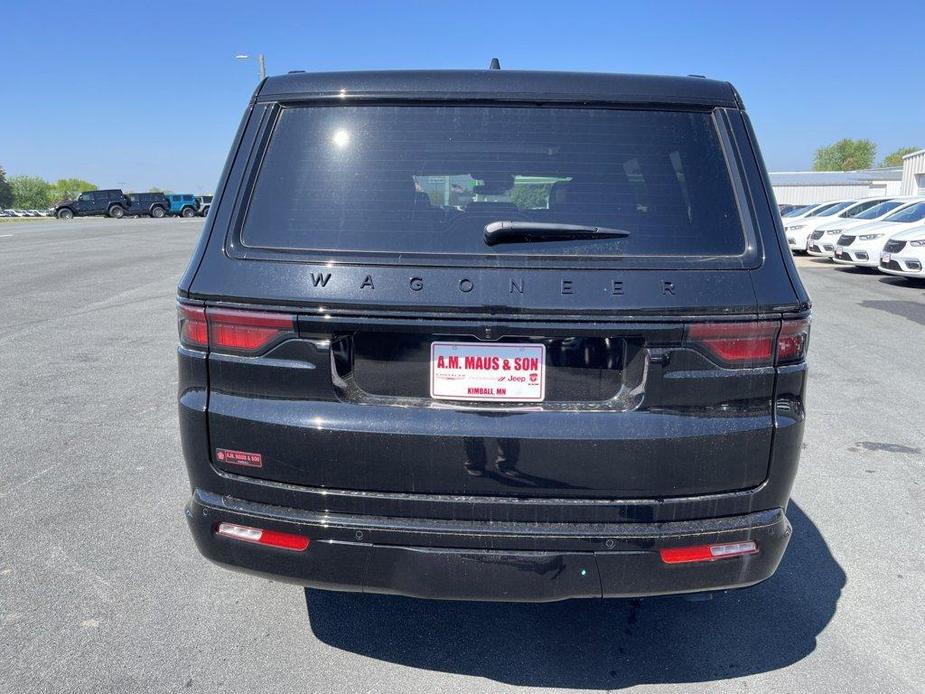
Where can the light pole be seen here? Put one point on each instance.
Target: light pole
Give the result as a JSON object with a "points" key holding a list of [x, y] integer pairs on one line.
{"points": [[261, 63]]}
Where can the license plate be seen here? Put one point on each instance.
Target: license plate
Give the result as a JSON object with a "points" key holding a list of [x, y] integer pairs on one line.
{"points": [[885, 258], [497, 372]]}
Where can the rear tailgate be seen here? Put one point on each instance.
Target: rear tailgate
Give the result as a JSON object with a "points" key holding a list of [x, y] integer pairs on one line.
{"points": [[631, 408]]}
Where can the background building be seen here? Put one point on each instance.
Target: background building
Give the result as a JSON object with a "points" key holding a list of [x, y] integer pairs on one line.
{"points": [[804, 187], [914, 173]]}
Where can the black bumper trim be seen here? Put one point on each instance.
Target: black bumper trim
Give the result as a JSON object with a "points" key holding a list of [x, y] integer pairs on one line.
{"points": [[487, 561]]}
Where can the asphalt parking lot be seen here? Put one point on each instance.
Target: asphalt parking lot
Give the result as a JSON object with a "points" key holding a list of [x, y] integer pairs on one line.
{"points": [[102, 590]]}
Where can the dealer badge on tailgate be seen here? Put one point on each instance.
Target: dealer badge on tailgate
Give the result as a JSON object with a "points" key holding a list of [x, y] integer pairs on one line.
{"points": [[496, 372]]}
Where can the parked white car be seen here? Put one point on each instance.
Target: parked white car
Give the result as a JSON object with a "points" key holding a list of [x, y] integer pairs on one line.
{"points": [[904, 253], [798, 230], [862, 247], [830, 229], [823, 240]]}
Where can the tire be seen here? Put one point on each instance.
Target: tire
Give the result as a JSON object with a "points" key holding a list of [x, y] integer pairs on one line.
{"points": [[116, 212], [157, 212], [65, 213], [187, 212], [205, 211]]}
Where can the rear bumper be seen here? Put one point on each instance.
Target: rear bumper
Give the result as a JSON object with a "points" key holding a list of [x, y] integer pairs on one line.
{"points": [[471, 560]]}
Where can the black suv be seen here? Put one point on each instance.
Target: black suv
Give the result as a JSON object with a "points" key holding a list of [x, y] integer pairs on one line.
{"points": [[148, 204], [111, 203], [493, 335]]}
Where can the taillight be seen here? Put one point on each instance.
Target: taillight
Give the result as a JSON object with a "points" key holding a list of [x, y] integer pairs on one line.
{"points": [[751, 343], [792, 341], [740, 344], [246, 331], [191, 322], [259, 536], [232, 330]]}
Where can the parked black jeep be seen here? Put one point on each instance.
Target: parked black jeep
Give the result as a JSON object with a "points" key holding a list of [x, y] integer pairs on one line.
{"points": [[148, 204], [111, 203], [493, 335]]}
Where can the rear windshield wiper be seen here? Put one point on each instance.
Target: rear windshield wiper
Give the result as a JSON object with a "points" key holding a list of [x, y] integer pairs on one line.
{"points": [[502, 232]]}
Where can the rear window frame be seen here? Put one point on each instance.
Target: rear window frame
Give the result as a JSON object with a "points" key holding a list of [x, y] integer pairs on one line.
{"points": [[234, 246]]}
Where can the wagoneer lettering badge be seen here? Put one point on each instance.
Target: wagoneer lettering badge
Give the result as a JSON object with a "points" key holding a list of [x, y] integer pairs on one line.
{"points": [[517, 285], [493, 335]]}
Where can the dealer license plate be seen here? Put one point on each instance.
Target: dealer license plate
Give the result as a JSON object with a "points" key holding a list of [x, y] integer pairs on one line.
{"points": [[488, 372]]}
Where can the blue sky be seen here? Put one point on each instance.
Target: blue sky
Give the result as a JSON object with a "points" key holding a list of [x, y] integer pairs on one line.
{"points": [[157, 103]]}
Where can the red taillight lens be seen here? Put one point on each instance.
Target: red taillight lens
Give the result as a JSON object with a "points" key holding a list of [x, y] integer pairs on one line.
{"points": [[231, 330], [191, 321], [751, 343], [246, 331], [686, 555], [259, 536], [793, 340], [741, 344]]}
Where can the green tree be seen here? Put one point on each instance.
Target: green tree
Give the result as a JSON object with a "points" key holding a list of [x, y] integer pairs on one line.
{"points": [[896, 158], [845, 155], [531, 196], [155, 189], [30, 192], [69, 188], [6, 192]]}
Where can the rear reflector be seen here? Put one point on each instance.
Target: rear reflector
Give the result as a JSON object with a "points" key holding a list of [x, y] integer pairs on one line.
{"points": [[232, 330], [259, 536], [684, 555]]}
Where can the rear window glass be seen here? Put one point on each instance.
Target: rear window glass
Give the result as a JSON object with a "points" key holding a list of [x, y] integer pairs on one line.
{"points": [[428, 179]]}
